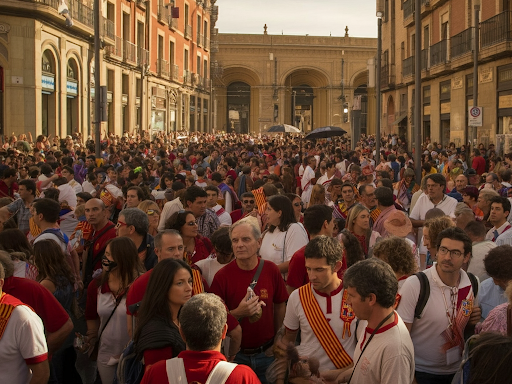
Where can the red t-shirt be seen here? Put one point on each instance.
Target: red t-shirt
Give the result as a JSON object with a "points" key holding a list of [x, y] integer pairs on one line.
{"points": [[44, 304], [5, 191], [478, 164], [102, 241], [198, 366], [270, 289], [236, 215], [297, 274], [91, 307], [202, 250]]}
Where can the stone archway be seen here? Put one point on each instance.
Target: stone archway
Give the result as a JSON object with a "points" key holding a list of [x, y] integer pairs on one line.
{"points": [[306, 99], [49, 79]]}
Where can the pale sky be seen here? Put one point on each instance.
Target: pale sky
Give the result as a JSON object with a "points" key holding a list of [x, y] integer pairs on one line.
{"points": [[298, 17]]}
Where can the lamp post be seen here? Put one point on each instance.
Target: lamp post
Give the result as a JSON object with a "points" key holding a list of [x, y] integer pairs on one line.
{"points": [[475, 69], [97, 101], [418, 90], [377, 86]]}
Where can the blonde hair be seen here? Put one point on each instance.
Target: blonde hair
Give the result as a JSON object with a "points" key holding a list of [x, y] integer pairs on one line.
{"points": [[145, 205], [353, 213], [317, 195], [436, 226]]}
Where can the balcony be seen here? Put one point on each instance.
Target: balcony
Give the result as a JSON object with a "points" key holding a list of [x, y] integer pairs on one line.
{"points": [[387, 76], [141, 3], [163, 14], [109, 29], [200, 82], [461, 43], [408, 9], [497, 29], [186, 77], [173, 23], [188, 32], [206, 44], [162, 68], [81, 13], [175, 72], [116, 50], [200, 40], [129, 52], [439, 53], [408, 67], [425, 59], [142, 56]]}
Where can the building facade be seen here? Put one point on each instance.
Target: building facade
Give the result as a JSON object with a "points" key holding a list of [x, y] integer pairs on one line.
{"points": [[447, 44], [306, 81], [155, 66]]}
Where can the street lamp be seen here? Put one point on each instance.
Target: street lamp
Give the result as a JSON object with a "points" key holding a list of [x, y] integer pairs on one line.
{"points": [[380, 14]]}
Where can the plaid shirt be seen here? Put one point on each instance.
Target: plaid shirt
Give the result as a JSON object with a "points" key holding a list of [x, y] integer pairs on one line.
{"points": [[22, 213], [208, 223]]}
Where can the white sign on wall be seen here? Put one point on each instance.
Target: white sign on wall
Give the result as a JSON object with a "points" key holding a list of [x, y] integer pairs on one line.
{"points": [[475, 116]]}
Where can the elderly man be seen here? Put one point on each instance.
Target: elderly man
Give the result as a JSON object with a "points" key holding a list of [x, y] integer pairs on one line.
{"points": [[256, 297], [134, 223], [248, 207], [367, 193], [203, 327], [23, 350]]}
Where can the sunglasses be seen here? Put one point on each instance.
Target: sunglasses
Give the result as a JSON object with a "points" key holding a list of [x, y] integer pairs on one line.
{"points": [[298, 204], [248, 201], [191, 223], [150, 212], [120, 224]]}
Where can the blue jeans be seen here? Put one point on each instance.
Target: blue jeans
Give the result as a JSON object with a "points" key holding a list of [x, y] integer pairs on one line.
{"points": [[429, 378], [258, 363]]}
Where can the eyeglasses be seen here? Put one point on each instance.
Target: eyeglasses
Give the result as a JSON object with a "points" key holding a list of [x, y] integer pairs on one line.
{"points": [[150, 212], [120, 224], [248, 201], [298, 204], [453, 252], [191, 223]]}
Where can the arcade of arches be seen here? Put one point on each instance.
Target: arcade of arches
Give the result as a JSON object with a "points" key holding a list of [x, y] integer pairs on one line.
{"points": [[264, 80]]}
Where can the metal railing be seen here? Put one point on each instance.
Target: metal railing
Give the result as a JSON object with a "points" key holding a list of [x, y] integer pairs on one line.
{"points": [[109, 29], [425, 59], [129, 51], [173, 23], [188, 31], [141, 3], [408, 67], [439, 53], [496, 29], [142, 56], [162, 67], [175, 72], [116, 49], [82, 13], [200, 39], [462, 43], [163, 13], [186, 77], [408, 8], [206, 43]]}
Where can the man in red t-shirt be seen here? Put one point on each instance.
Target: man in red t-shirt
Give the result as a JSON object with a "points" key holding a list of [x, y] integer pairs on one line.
{"points": [[248, 207], [478, 163], [203, 327], [8, 184], [318, 221], [103, 230], [56, 321], [260, 310]]}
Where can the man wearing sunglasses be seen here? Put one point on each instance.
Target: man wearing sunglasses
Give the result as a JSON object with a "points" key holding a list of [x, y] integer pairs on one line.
{"points": [[248, 207]]}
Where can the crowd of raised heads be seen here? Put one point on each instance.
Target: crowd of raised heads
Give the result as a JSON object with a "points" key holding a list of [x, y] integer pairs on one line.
{"points": [[205, 256]]}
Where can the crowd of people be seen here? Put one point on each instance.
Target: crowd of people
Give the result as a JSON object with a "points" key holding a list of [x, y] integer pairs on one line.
{"points": [[253, 259]]}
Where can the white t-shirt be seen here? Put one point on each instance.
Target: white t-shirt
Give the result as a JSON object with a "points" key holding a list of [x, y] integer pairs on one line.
{"points": [[209, 267], [170, 207], [423, 205], [426, 333], [388, 359], [295, 318], [279, 247], [88, 187], [224, 217], [76, 186], [478, 252], [22, 343]]}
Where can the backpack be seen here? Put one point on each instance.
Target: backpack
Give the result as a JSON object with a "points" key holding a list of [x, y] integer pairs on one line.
{"points": [[425, 292], [130, 368]]}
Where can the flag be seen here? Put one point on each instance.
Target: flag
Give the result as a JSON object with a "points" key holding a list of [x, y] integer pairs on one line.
{"points": [[175, 12]]}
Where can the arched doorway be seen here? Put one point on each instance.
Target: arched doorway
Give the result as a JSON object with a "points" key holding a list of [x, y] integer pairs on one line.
{"points": [[302, 107], [72, 97], [238, 111], [390, 115], [48, 105], [360, 110]]}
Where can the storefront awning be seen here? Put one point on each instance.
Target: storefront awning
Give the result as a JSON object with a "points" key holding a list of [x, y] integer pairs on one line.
{"points": [[399, 120]]}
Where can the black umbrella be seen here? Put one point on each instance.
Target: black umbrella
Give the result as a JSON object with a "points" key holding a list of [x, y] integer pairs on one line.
{"points": [[283, 128], [325, 132]]}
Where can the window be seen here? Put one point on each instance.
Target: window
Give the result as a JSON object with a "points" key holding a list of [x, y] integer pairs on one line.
{"points": [[198, 65], [185, 60], [445, 89], [171, 53], [205, 69]]}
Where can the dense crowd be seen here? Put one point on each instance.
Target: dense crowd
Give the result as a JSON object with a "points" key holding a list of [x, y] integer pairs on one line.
{"points": [[183, 255]]}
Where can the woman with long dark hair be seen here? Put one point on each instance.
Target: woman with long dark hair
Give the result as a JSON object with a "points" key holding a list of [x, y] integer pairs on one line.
{"points": [[106, 304], [157, 334], [197, 247], [285, 236], [358, 223]]}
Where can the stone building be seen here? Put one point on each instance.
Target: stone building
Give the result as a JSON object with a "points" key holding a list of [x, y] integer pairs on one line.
{"points": [[306, 81], [447, 44], [155, 65]]}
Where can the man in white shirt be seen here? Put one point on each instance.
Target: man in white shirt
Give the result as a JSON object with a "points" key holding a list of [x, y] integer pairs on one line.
{"points": [[481, 247], [69, 174], [172, 206], [500, 209], [384, 353], [322, 305], [307, 179], [211, 202], [435, 198], [438, 332], [326, 178]]}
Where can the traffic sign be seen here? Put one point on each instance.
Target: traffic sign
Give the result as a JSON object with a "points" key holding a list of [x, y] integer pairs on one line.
{"points": [[475, 116]]}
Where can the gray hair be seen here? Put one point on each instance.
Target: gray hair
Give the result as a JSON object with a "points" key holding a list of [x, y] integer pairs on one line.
{"points": [[137, 218], [202, 321], [250, 221], [158, 238], [7, 264]]}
